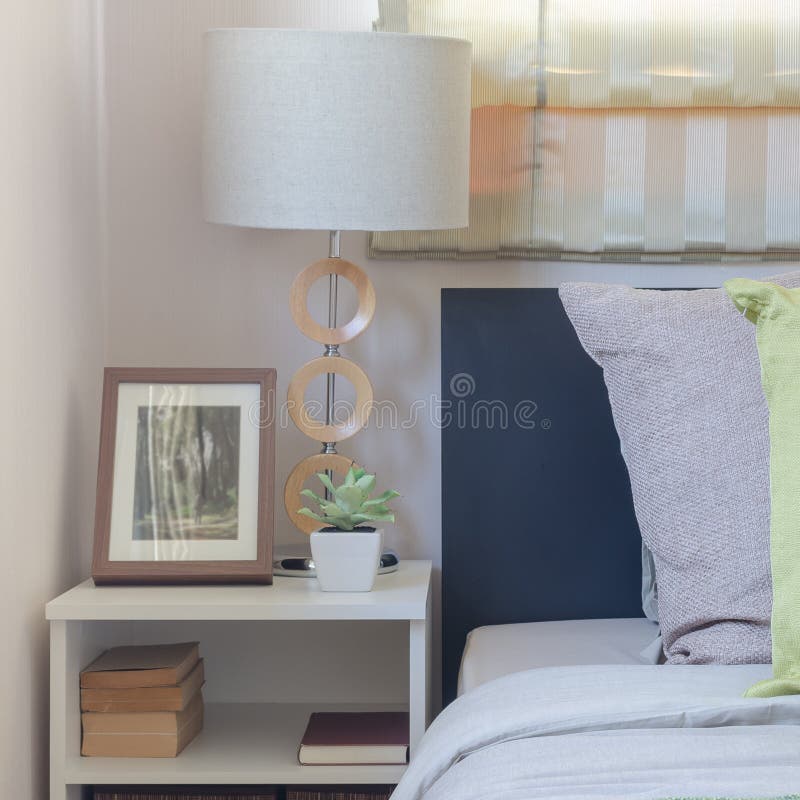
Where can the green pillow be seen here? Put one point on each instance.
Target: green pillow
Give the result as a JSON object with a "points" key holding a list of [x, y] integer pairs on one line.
{"points": [[776, 313]]}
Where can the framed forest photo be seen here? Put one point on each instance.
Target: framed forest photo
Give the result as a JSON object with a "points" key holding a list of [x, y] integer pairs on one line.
{"points": [[185, 481]]}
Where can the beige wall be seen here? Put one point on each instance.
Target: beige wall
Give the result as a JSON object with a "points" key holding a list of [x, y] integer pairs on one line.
{"points": [[50, 349], [182, 292]]}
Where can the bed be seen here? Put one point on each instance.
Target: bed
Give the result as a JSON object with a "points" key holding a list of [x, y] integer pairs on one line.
{"points": [[561, 693]]}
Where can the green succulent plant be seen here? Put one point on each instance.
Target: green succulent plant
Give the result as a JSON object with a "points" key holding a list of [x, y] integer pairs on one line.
{"points": [[350, 505]]}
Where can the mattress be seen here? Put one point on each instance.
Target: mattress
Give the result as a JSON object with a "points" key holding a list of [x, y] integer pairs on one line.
{"points": [[497, 650]]}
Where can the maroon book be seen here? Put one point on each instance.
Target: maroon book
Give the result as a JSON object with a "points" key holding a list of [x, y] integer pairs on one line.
{"points": [[369, 737]]}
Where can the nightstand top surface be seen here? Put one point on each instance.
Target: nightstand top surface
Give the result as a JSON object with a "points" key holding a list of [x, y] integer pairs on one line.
{"points": [[400, 595]]}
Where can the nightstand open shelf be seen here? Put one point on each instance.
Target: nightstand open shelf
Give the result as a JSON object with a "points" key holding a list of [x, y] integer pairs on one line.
{"points": [[240, 743], [248, 741]]}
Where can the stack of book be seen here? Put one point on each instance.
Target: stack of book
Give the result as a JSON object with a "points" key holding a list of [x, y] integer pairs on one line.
{"points": [[142, 701]]}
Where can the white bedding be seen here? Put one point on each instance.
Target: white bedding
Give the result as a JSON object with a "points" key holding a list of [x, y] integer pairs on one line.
{"points": [[497, 650], [636, 731]]}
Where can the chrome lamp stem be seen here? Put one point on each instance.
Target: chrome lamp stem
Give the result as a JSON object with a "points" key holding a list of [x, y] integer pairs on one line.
{"points": [[331, 350]]}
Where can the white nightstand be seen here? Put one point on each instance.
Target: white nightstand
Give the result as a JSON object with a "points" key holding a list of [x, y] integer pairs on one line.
{"points": [[264, 678]]}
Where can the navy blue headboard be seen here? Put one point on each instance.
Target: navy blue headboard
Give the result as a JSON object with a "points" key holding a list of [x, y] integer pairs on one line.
{"points": [[537, 514]]}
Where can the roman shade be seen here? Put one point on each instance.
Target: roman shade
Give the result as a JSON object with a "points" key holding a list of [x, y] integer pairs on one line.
{"points": [[659, 130]]}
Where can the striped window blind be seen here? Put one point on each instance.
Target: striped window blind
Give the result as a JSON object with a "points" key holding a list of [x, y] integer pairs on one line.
{"points": [[622, 130]]}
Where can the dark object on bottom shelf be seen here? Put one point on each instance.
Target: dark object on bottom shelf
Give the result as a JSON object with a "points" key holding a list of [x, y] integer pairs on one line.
{"points": [[185, 793], [338, 792]]}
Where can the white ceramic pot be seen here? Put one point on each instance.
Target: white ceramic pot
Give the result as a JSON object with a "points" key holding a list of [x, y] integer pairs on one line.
{"points": [[346, 561]]}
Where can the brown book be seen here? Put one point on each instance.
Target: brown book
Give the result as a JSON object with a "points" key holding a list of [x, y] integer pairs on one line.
{"points": [[161, 735], [149, 698], [371, 737], [141, 665], [140, 721], [339, 792]]}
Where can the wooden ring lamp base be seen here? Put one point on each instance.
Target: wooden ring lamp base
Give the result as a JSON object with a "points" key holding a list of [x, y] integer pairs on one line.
{"points": [[307, 468], [299, 301], [324, 366], [331, 363]]}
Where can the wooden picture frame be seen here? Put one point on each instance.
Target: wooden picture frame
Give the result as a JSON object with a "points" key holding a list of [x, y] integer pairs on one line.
{"points": [[142, 517]]}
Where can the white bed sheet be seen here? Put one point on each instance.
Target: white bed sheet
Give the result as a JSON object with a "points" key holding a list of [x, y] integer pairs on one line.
{"points": [[637, 732], [497, 650]]}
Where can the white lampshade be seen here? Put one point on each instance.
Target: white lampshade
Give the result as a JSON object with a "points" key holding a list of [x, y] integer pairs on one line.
{"points": [[336, 130]]}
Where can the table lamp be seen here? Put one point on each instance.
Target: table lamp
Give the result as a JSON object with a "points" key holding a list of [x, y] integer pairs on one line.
{"points": [[334, 131]]}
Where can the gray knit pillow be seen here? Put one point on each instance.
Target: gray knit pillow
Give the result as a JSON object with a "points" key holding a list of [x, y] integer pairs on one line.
{"points": [[683, 377]]}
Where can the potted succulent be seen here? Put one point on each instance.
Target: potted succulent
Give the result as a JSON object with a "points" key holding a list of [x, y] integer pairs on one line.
{"points": [[347, 549]]}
